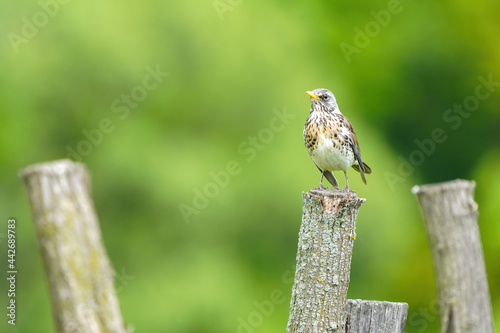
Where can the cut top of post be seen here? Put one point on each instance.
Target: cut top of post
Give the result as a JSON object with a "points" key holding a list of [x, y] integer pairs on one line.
{"points": [[445, 186], [332, 199], [455, 196], [59, 167]]}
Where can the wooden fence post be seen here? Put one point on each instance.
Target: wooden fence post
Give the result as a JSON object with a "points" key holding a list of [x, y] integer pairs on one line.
{"points": [[450, 215], [324, 255], [375, 317], [77, 267]]}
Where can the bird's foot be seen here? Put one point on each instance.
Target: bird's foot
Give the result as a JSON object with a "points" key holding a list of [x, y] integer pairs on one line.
{"points": [[347, 189], [321, 187]]}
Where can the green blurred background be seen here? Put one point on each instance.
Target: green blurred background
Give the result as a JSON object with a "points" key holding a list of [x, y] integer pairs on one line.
{"points": [[232, 67]]}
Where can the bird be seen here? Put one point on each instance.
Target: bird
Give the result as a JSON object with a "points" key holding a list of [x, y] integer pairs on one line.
{"points": [[330, 139]]}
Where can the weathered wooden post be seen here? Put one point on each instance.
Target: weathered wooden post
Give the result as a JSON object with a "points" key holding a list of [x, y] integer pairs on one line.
{"points": [[450, 215], [323, 261], [77, 267], [375, 317], [318, 303]]}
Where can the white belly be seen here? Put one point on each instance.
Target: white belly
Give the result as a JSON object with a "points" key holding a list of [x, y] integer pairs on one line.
{"points": [[330, 159]]}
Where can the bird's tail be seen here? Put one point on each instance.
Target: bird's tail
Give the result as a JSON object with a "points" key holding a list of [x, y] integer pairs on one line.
{"points": [[363, 169]]}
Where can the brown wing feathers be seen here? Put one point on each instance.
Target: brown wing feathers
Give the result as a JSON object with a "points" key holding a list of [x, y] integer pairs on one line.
{"points": [[361, 167]]}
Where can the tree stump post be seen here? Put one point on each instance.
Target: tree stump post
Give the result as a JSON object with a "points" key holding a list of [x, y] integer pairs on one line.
{"points": [[77, 267], [450, 216], [324, 255]]}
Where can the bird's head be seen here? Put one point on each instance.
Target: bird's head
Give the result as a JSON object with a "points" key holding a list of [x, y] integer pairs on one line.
{"points": [[323, 99]]}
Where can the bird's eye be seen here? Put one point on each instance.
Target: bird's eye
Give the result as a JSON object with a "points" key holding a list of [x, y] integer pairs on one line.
{"points": [[325, 97]]}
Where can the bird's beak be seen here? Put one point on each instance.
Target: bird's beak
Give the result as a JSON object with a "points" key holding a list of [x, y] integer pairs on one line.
{"points": [[311, 94]]}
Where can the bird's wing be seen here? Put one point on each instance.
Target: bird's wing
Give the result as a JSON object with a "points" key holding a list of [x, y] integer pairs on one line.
{"points": [[362, 168]]}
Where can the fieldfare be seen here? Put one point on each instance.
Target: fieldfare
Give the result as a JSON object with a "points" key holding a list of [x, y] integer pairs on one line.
{"points": [[330, 139]]}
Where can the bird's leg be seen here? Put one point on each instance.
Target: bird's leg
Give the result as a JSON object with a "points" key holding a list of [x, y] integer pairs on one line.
{"points": [[321, 181], [346, 182]]}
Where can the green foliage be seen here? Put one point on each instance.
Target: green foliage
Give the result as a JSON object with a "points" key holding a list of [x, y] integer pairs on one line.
{"points": [[231, 71]]}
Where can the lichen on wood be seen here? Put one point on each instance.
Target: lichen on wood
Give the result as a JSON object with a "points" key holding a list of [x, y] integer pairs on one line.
{"points": [[324, 253], [451, 221], [78, 270]]}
